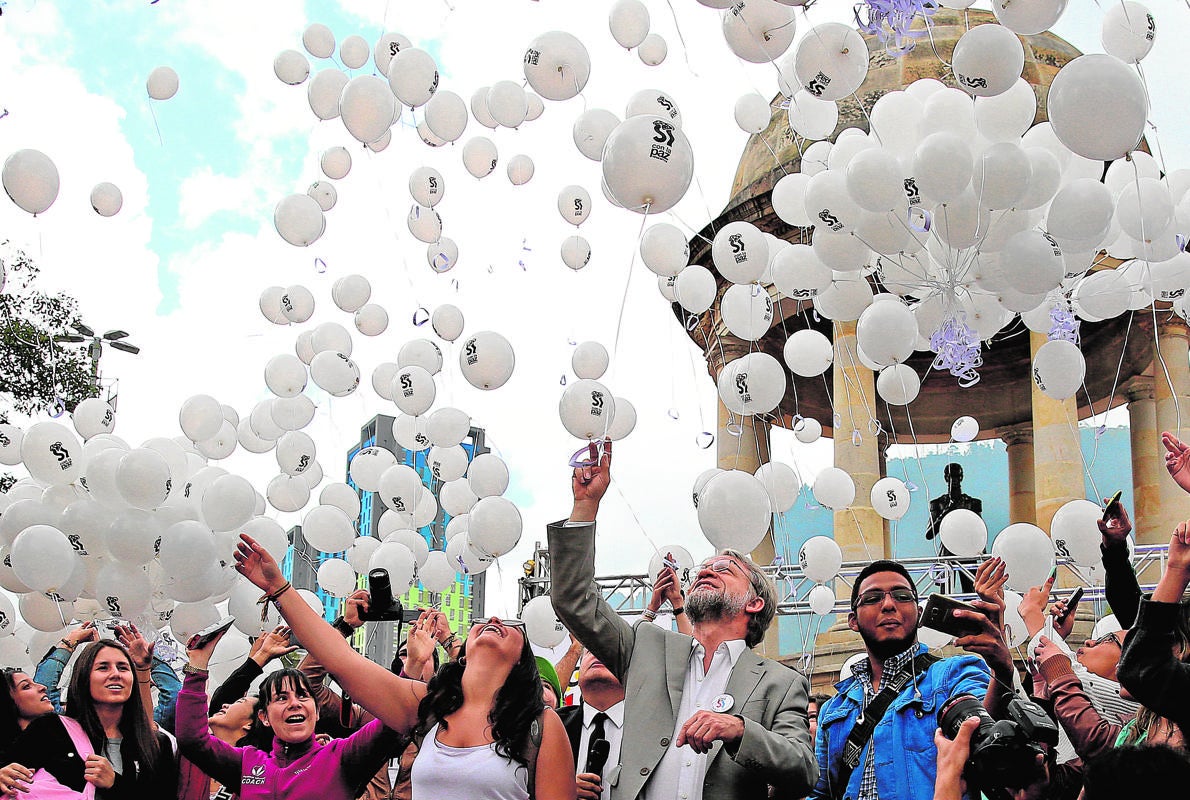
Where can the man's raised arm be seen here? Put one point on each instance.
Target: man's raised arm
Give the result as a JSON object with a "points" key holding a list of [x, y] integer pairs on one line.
{"points": [[575, 596]]}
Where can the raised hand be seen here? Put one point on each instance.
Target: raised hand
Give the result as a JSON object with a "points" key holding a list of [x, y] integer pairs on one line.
{"points": [[201, 656], [255, 564], [83, 633], [140, 649], [589, 484], [990, 578], [273, 644], [1177, 459], [355, 606], [1117, 525]]}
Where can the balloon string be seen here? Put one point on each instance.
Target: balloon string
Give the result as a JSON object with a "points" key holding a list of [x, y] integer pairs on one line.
{"points": [[627, 283], [156, 127], [780, 165], [682, 39], [1073, 425]]}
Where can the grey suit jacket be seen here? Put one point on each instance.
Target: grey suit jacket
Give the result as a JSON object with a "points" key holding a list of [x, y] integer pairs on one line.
{"points": [[651, 663]]}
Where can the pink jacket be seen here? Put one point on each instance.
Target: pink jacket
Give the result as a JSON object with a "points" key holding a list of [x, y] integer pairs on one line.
{"points": [[306, 771]]}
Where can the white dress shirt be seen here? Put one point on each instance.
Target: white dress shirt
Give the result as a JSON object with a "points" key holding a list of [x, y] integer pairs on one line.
{"points": [[681, 771], [613, 731]]}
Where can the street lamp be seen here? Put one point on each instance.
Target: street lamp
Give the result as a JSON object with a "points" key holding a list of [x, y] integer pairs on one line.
{"points": [[112, 338]]}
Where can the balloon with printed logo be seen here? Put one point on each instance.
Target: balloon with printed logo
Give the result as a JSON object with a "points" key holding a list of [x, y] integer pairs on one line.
{"points": [[541, 623], [831, 61], [576, 252], [10, 444], [297, 303], [123, 590], [752, 384], [30, 180], [740, 252], [586, 409], [427, 187], [1075, 532], [820, 558], [486, 360], [964, 429], [398, 560], [574, 205], [890, 498], [480, 156], [142, 478], [447, 463], [92, 417], [733, 511], [1027, 19], [1059, 369], [387, 46], [368, 465], [664, 249], [413, 76], [747, 311], [653, 102], [52, 454], [410, 432], [988, 60], [557, 65], [413, 390], [1028, 555], [648, 164], [335, 373], [42, 557], [1128, 31], [759, 30]]}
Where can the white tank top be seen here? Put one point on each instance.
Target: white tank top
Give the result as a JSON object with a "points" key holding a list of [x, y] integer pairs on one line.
{"points": [[442, 772]]}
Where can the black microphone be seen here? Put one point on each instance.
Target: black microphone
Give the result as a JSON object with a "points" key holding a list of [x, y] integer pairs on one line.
{"points": [[597, 752]]}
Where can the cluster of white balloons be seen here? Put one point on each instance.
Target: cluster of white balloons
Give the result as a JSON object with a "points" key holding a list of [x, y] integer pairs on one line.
{"points": [[735, 508], [31, 181], [587, 408]]}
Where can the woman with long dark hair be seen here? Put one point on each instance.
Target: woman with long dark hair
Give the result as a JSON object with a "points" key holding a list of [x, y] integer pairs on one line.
{"points": [[108, 739], [296, 766], [483, 729], [23, 701]]}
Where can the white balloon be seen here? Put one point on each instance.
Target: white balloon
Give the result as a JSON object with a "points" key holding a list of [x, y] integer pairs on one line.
{"points": [[963, 532], [890, 498], [291, 67], [488, 475], [107, 199], [437, 574], [398, 561], [162, 83], [1028, 555], [368, 465], [541, 623], [520, 170], [694, 289], [52, 454], [1128, 31], [874, 180], [367, 107], [1005, 117], [299, 220], [486, 360], [820, 558], [143, 478], [887, 332], [42, 558], [1097, 107], [942, 166], [31, 180], [447, 463], [831, 61], [733, 511], [834, 488], [629, 23], [664, 249], [898, 385], [422, 353], [479, 156], [328, 529], [740, 252], [335, 373], [808, 353], [413, 390], [648, 164], [752, 384], [811, 116], [782, 483], [557, 65], [1028, 18], [1058, 369], [92, 417], [335, 163], [576, 252], [574, 205], [413, 76], [964, 429], [1075, 532], [586, 409], [759, 30], [589, 360], [494, 526], [988, 60]]}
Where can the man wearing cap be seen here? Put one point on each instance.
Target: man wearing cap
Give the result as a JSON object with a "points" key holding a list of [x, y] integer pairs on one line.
{"points": [[704, 717]]}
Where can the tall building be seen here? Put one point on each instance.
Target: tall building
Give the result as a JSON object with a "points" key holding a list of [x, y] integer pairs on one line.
{"points": [[300, 566], [463, 601]]}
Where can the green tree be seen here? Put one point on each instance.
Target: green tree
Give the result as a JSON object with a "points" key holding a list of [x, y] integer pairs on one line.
{"points": [[37, 374]]}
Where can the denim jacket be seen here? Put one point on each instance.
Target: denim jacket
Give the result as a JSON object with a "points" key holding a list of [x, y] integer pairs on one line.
{"points": [[904, 740]]}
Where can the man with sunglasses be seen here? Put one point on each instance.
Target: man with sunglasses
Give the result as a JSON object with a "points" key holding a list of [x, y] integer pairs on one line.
{"points": [[705, 718], [868, 754]]}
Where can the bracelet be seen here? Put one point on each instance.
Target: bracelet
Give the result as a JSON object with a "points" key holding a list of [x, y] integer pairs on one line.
{"points": [[67, 644], [649, 615], [449, 640], [190, 669], [271, 597], [679, 610], [342, 627]]}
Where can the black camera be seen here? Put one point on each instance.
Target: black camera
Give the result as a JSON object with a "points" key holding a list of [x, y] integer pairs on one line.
{"points": [[382, 606], [1003, 752]]}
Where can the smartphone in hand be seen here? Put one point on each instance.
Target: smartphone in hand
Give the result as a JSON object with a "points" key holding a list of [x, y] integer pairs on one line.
{"points": [[208, 633], [939, 615]]}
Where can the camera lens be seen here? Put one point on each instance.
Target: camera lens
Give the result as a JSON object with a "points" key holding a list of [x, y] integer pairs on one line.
{"points": [[959, 709]]}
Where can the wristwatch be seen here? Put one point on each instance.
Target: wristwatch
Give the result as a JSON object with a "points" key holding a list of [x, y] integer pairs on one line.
{"points": [[342, 627]]}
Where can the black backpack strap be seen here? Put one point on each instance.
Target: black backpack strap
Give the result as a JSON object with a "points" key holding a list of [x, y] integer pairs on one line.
{"points": [[870, 717]]}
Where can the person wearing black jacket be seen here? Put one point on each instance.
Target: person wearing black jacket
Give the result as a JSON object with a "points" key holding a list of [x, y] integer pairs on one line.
{"points": [[129, 760]]}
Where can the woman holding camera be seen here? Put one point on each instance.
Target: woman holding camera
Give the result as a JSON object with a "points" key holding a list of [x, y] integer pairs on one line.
{"points": [[483, 729]]}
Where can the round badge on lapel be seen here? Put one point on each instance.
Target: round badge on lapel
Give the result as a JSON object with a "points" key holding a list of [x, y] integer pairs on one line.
{"points": [[722, 703]]}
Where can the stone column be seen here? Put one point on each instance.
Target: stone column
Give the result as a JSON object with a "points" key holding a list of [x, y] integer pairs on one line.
{"points": [[1022, 491], [1148, 471], [1057, 458], [860, 531], [1172, 339]]}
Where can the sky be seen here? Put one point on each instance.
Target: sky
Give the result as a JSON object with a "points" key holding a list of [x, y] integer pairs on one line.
{"points": [[182, 266]]}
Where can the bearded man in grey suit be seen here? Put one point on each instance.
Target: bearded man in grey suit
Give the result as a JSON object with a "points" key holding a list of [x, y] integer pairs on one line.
{"points": [[705, 718]]}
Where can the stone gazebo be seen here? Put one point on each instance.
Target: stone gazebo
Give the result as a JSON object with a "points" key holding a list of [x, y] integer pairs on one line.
{"points": [[1045, 463]]}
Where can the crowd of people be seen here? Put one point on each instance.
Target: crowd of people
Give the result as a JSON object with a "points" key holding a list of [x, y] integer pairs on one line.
{"points": [[664, 714]]}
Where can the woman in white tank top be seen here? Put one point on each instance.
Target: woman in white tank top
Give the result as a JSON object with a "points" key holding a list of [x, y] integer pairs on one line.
{"points": [[475, 717]]}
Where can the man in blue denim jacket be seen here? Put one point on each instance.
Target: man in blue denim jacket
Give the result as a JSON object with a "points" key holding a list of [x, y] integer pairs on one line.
{"points": [[899, 760]]}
